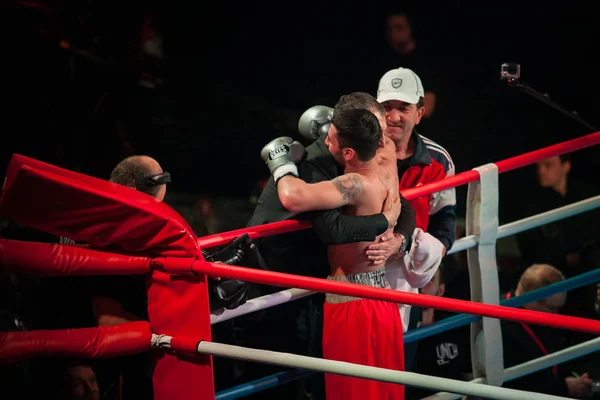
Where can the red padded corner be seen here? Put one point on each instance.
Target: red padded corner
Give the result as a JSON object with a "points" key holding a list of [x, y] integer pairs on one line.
{"points": [[100, 342], [178, 306], [92, 210], [61, 259], [109, 216]]}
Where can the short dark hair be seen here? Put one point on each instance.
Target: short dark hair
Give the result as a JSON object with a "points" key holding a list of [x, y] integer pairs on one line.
{"points": [[126, 171], [58, 376], [565, 157], [358, 100], [408, 15], [358, 129], [421, 102]]}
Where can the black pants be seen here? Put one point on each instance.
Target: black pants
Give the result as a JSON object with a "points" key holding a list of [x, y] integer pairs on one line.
{"points": [[317, 379]]}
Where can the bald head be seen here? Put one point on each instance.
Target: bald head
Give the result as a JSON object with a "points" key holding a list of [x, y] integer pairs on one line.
{"points": [[538, 276], [126, 171]]}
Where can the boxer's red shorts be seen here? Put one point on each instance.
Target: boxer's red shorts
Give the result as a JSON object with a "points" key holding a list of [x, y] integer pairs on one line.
{"points": [[367, 332]]}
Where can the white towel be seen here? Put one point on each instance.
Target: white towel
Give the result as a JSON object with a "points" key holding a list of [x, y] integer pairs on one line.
{"points": [[416, 269]]}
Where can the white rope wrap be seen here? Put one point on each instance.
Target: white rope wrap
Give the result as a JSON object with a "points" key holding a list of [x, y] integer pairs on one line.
{"points": [[161, 341]]}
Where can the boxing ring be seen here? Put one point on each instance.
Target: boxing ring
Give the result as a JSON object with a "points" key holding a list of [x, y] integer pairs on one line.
{"points": [[128, 232]]}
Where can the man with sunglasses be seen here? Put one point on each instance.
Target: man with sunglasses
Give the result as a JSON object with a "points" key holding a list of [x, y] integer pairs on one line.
{"points": [[122, 299], [142, 173]]}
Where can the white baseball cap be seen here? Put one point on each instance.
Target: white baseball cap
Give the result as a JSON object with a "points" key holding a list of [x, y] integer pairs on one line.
{"points": [[400, 84]]}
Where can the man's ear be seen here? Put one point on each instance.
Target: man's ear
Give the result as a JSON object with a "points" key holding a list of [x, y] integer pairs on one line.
{"points": [[348, 153], [420, 113], [441, 290]]}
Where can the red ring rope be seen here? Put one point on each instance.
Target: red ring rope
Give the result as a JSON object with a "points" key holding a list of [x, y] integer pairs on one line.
{"points": [[422, 300], [453, 181]]}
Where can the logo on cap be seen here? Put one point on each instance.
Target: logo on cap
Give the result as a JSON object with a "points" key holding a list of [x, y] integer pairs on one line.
{"points": [[396, 83]]}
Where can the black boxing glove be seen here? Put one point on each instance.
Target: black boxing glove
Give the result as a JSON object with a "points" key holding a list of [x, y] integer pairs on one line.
{"points": [[230, 293]]}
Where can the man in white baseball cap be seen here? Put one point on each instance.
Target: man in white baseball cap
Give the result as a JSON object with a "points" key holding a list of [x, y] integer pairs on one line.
{"points": [[420, 161], [400, 84]]}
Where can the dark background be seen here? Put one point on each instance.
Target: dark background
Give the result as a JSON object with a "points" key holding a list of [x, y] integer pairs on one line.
{"points": [[236, 75]]}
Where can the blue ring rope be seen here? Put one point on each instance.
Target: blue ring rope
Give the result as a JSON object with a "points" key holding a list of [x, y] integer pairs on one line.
{"points": [[261, 384], [518, 301]]}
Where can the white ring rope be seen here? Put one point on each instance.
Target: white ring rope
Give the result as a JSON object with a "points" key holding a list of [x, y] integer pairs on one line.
{"points": [[363, 371], [532, 222], [259, 303], [271, 300]]}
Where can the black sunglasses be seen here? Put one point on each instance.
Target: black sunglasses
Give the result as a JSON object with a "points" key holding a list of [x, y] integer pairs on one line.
{"points": [[142, 180]]}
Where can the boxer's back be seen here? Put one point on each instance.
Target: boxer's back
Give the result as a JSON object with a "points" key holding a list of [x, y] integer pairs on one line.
{"points": [[350, 258]]}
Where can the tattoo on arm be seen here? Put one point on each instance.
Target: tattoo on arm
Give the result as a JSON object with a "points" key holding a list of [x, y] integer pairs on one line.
{"points": [[349, 186]]}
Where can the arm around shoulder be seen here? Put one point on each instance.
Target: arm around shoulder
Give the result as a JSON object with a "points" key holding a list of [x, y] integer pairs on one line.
{"points": [[299, 196], [333, 228]]}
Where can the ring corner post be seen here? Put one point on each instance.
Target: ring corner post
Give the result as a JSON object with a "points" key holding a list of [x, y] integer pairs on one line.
{"points": [[179, 306], [482, 221]]}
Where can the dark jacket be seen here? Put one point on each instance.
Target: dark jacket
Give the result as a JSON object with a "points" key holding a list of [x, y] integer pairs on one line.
{"points": [[519, 347], [446, 355], [435, 213], [551, 243]]}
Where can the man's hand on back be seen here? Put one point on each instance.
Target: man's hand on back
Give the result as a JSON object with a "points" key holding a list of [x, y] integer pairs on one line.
{"points": [[391, 208], [387, 246]]}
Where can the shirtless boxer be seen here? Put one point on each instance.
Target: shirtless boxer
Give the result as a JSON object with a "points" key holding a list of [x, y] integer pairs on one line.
{"points": [[360, 331]]}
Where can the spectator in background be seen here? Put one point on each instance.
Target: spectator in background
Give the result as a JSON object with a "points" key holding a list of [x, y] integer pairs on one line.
{"points": [[561, 243], [204, 219], [79, 383], [523, 342], [402, 51], [150, 53], [404, 44], [571, 244]]}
